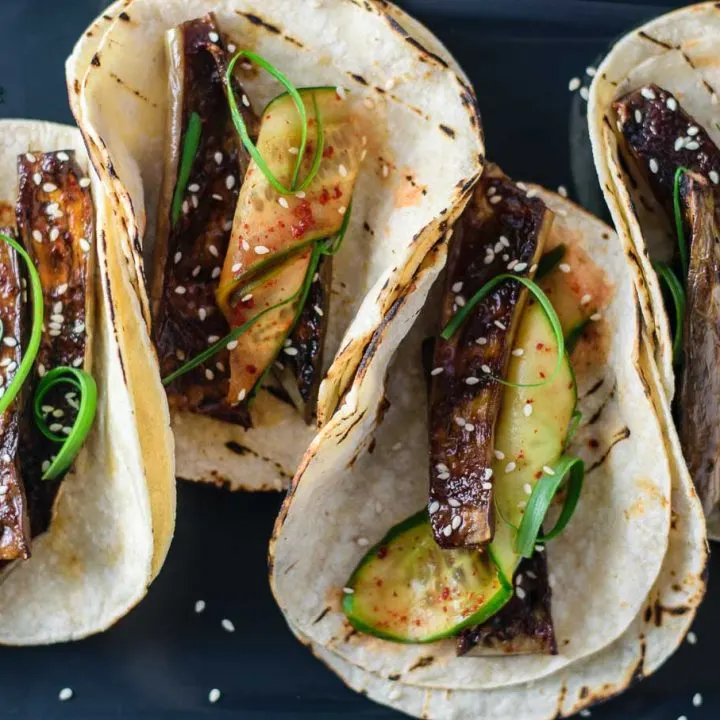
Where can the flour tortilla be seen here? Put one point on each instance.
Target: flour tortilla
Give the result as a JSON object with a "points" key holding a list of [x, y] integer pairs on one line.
{"points": [[678, 51], [428, 129], [114, 515], [603, 567]]}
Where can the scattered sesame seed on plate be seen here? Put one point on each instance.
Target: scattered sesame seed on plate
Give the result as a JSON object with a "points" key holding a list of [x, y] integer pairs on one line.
{"points": [[562, 191], [228, 625], [697, 700], [65, 694], [199, 606], [590, 71], [584, 93], [214, 695], [691, 638], [574, 84]]}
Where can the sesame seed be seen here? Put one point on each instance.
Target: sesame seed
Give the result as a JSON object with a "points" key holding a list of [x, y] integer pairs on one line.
{"points": [[180, 354], [647, 93], [196, 271], [30, 157], [10, 341], [180, 290], [341, 92], [460, 301], [527, 410], [499, 454], [213, 37], [55, 427], [692, 638], [232, 345], [510, 466], [436, 371], [227, 625], [511, 264], [447, 531], [241, 395], [245, 100], [212, 339], [585, 299], [574, 84], [460, 421], [679, 143], [562, 191], [692, 145], [518, 352], [362, 541], [290, 351], [54, 234], [342, 170], [77, 362], [85, 182], [486, 369], [232, 47], [301, 194], [452, 502], [682, 717], [49, 187], [487, 473], [469, 427], [500, 325], [245, 245], [595, 317], [261, 250], [213, 250], [584, 93], [37, 236], [457, 287], [45, 465], [84, 245], [456, 522], [590, 71], [54, 332], [520, 267], [294, 150], [693, 130], [193, 188], [37, 178], [214, 695], [564, 267], [531, 193], [585, 713], [488, 259], [385, 171], [471, 380], [218, 157], [41, 369], [433, 507], [66, 693], [654, 167], [185, 207], [714, 177], [522, 504], [209, 374], [57, 317], [178, 257], [495, 199], [487, 486], [638, 117], [527, 487], [348, 591], [697, 700], [441, 467], [520, 592], [548, 470], [245, 298], [283, 202], [230, 182], [342, 209], [481, 341], [202, 313]]}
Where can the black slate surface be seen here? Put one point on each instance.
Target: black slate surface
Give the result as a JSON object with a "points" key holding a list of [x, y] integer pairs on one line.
{"points": [[162, 659]]}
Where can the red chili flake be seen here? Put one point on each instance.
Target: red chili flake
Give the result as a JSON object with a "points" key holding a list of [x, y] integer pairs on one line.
{"points": [[445, 593], [324, 197], [379, 582], [593, 443], [328, 151], [540, 346], [337, 193], [305, 220], [542, 374], [251, 369], [538, 474], [382, 553]]}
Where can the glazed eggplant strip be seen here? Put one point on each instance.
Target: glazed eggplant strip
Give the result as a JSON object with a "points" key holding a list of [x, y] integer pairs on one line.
{"points": [[524, 626], [275, 237], [15, 536], [56, 225], [659, 137], [204, 168], [502, 230]]}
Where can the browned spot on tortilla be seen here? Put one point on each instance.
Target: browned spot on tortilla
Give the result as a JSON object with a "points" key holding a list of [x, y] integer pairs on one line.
{"points": [[648, 613], [95, 60], [447, 130], [358, 78], [422, 662], [371, 446], [659, 610], [407, 193], [124, 16], [638, 672], [259, 22], [367, 228], [7, 215], [394, 677], [293, 41]]}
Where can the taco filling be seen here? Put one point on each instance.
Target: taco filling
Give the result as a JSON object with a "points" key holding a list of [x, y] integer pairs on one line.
{"points": [[48, 395], [252, 210], [502, 411], [680, 163]]}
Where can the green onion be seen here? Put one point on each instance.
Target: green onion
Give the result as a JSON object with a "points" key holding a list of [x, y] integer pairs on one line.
{"points": [[679, 224], [575, 421], [189, 151], [33, 346], [573, 337], [452, 327], [549, 261], [241, 127], [542, 495], [86, 388], [327, 246], [677, 293]]}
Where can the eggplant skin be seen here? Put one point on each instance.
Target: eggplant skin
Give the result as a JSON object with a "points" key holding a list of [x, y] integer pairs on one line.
{"points": [[699, 407], [501, 224], [524, 626], [189, 253], [14, 524]]}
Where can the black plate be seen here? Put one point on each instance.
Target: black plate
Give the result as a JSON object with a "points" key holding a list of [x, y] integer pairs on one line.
{"points": [[161, 660]]}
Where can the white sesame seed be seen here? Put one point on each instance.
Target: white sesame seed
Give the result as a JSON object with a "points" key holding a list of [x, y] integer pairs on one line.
{"points": [[218, 157], [510, 466], [441, 467], [37, 236], [585, 299], [54, 234], [714, 177], [84, 245], [362, 541], [261, 250], [199, 606], [487, 486], [574, 84], [654, 167], [452, 502], [518, 352], [434, 507], [57, 317], [682, 717], [318, 310], [495, 199], [595, 317], [212, 339], [342, 209], [491, 191], [590, 71], [241, 395], [471, 380], [511, 264], [213, 250], [469, 427], [209, 374], [488, 259], [527, 410], [697, 700], [520, 267], [245, 298], [487, 473], [180, 290], [178, 257], [481, 341], [46, 463], [500, 325], [193, 188], [245, 245], [460, 421], [527, 488], [584, 93], [227, 625], [638, 117], [231, 346], [457, 287], [41, 369], [585, 712], [66, 693], [531, 193], [692, 638], [348, 591], [213, 37], [230, 182], [185, 207], [341, 92], [436, 371], [671, 103], [30, 157], [456, 522], [85, 182], [202, 313], [679, 143], [54, 332], [55, 427], [447, 531], [49, 187], [385, 171], [692, 145], [214, 695], [232, 47], [564, 267], [342, 170], [10, 341], [548, 470], [294, 150], [693, 130], [290, 351], [37, 178], [460, 301], [520, 592], [486, 369], [283, 202], [77, 362], [647, 93], [562, 191], [196, 271], [301, 194]]}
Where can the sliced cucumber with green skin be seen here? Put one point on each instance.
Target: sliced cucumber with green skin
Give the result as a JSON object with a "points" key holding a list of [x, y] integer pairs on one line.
{"points": [[529, 439], [408, 589], [272, 233]]}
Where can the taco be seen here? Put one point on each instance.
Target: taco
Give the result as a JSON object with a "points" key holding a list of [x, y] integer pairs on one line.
{"points": [[463, 568], [656, 142], [279, 188], [82, 508]]}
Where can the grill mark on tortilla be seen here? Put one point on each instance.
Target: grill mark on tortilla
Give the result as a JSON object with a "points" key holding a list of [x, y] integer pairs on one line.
{"points": [[447, 130], [257, 20], [239, 449], [638, 673], [422, 662], [111, 305], [621, 435], [651, 39], [594, 388], [95, 60], [290, 567], [659, 609], [321, 615], [367, 228], [688, 60], [354, 423], [293, 40], [584, 692], [135, 92], [648, 614], [394, 677], [596, 415], [349, 635], [358, 78], [236, 447]]}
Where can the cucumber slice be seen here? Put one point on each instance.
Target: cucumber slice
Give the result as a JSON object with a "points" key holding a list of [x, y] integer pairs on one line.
{"points": [[531, 442], [272, 234], [408, 589]]}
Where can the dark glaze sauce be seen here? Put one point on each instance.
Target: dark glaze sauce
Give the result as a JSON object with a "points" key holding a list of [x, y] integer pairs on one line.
{"points": [[463, 416], [56, 225], [524, 626], [15, 537], [191, 257]]}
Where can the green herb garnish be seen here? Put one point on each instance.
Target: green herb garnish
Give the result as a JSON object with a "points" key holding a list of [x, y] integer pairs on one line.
{"points": [[679, 223], [677, 293], [189, 151]]}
